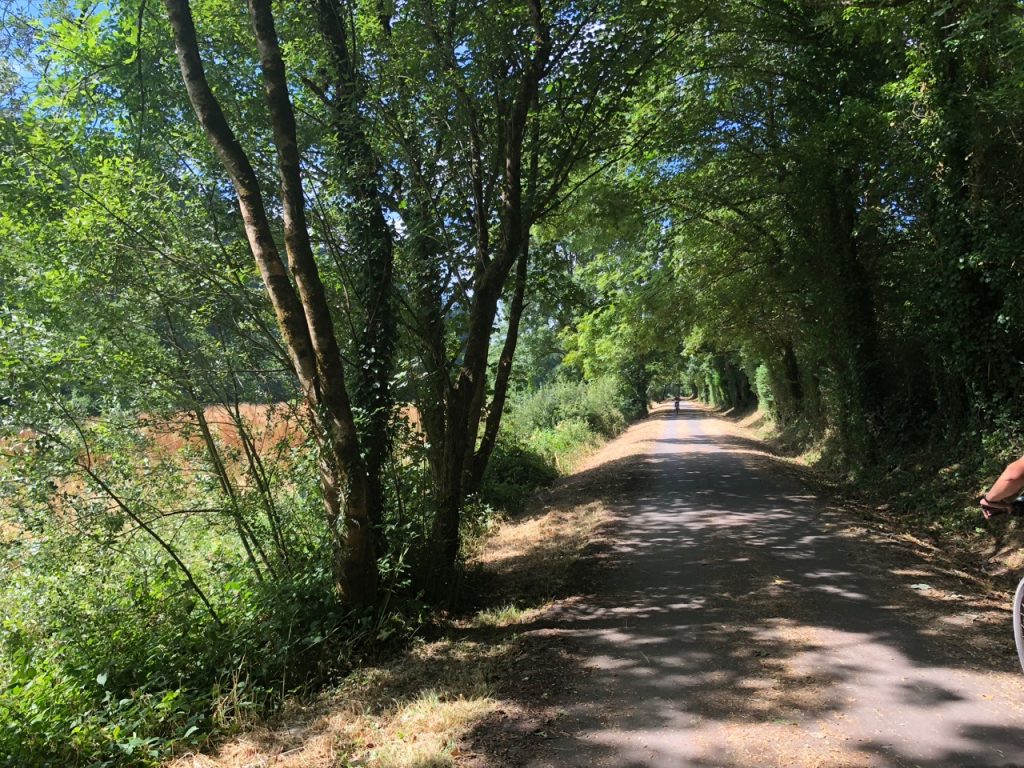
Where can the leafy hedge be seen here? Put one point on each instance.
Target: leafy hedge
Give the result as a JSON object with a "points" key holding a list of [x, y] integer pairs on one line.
{"points": [[597, 404], [555, 426]]}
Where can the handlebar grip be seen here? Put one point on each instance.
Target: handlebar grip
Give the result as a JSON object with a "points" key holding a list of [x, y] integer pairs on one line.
{"points": [[1016, 508]]}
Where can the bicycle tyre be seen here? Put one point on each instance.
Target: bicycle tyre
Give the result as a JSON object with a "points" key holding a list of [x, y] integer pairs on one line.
{"points": [[1018, 622]]}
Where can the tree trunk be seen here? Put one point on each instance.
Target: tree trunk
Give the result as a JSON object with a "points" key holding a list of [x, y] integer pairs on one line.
{"points": [[302, 312], [465, 395], [791, 376], [426, 301], [463, 407], [502, 376], [857, 310], [979, 364], [371, 239]]}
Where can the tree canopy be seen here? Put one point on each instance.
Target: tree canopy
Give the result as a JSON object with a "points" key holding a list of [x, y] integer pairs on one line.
{"points": [[283, 287]]}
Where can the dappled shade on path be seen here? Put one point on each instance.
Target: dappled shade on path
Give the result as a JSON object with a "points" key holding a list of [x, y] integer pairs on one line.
{"points": [[741, 622]]}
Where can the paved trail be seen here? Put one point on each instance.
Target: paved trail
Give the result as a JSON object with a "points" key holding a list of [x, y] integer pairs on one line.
{"points": [[743, 623]]}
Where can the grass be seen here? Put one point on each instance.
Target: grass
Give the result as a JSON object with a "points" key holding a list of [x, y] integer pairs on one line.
{"points": [[416, 709], [408, 712], [506, 615]]}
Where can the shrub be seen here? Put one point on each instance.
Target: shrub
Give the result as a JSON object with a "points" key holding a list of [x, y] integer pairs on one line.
{"points": [[114, 668], [513, 473], [603, 408], [565, 444], [598, 403], [763, 389]]}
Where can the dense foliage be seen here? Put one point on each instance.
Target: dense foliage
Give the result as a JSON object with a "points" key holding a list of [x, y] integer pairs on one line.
{"points": [[293, 295], [827, 213], [240, 450]]}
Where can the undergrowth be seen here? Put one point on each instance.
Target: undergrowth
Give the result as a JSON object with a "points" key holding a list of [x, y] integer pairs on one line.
{"points": [[416, 707], [136, 622], [566, 420], [927, 484]]}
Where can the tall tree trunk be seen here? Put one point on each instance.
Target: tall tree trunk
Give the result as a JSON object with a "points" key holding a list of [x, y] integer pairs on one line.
{"points": [[502, 376], [371, 239], [426, 302], [857, 307], [964, 78], [466, 395], [461, 424], [302, 312], [791, 375]]}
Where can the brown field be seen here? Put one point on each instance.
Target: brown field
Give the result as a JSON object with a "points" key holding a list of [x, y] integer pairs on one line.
{"points": [[176, 443], [271, 429], [268, 428]]}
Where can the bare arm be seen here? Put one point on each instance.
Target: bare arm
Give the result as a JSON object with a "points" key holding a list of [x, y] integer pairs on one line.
{"points": [[1009, 484]]}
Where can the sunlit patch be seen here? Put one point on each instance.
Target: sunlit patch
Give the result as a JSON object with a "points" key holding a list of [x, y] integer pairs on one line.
{"points": [[840, 592], [914, 572]]}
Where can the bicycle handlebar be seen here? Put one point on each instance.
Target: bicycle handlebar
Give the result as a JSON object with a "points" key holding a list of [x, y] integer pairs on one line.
{"points": [[992, 509]]}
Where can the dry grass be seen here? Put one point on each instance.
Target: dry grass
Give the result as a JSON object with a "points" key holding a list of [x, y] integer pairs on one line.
{"points": [[415, 710], [173, 443], [267, 427], [409, 712], [507, 615], [8, 532], [530, 558]]}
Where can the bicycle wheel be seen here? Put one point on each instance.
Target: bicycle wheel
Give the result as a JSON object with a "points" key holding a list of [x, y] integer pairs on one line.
{"points": [[1018, 621]]}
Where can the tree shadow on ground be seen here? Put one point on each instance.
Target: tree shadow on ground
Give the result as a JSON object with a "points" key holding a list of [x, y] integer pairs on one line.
{"points": [[731, 598]]}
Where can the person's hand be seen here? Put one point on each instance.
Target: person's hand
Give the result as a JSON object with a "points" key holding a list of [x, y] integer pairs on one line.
{"points": [[992, 508]]}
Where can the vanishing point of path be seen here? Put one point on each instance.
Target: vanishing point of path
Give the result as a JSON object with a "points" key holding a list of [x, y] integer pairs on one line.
{"points": [[740, 621]]}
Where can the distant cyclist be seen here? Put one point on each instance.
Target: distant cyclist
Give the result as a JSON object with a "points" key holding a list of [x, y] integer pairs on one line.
{"points": [[677, 403], [1002, 496]]}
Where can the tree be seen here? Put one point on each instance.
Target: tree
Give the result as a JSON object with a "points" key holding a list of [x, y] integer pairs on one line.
{"points": [[299, 299], [537, 91]]}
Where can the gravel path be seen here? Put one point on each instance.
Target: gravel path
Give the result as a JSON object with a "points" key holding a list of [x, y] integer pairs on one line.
{"points": [[742, 622]]}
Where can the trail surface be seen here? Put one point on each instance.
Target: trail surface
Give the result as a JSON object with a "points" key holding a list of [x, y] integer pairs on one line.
{"points": [[740, 621]]}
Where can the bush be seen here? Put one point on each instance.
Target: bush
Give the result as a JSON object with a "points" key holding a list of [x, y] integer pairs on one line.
{"points": [[108, 653], [566, 443], [113, 668], [513, 473], [603, 408], [598, 403], [51, 717], [763, 390], [550, 429]]}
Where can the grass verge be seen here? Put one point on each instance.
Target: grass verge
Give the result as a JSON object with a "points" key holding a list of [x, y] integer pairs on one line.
{"points": [[415, 709]]}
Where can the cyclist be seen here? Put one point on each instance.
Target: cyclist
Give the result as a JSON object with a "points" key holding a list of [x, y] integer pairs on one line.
{"points": [[677, 403], [1001, 497]]}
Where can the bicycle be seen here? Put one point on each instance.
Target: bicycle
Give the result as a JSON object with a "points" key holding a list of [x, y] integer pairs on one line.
{"points": [[1018, 622], [1016, 509]]}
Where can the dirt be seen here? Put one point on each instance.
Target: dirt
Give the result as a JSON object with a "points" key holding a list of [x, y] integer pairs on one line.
{"points": [[732, 615]]}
